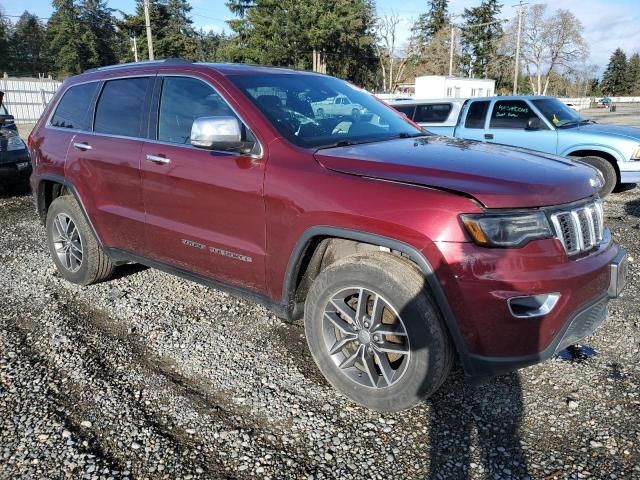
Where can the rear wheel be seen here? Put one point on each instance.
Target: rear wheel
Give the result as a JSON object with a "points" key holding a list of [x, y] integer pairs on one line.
{"points": [[74, 249], [375, 333], [608, 173]]}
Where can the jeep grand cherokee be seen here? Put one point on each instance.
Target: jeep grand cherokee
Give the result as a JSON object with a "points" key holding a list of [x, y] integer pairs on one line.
{"points": [[402, 250]]}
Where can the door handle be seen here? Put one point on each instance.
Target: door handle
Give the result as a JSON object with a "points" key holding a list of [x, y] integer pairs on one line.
{"points": [[488, 136], [82, 146], [157, 159]]}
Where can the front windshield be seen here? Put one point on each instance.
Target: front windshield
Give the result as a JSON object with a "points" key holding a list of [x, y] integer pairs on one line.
{"points": [[558, 113], [3, 111], [317, 111]]}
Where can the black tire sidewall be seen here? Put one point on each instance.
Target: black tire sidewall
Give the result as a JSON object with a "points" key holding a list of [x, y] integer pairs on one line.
{"points": [[427, 336], [67, 206], [607, 170]]}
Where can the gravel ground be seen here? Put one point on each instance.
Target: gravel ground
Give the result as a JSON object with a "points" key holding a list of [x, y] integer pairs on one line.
{"points": [[150, 376]]}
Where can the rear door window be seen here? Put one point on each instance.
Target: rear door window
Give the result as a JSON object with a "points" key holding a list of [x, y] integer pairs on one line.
{"points": [[74, 110], [511, 114], [476, 115], [183, 100], [121, 107], [432, 113]]}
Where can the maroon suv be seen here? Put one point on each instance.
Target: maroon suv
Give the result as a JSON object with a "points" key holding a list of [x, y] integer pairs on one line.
{"points": [[401, 249]]}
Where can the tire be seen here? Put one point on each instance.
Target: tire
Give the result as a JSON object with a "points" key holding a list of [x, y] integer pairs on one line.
{"points": [[607, 170], [86, 266], [400, 286]]}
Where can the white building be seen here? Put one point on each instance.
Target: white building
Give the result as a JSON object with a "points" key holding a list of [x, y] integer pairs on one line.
{"points": [[440, 86]]}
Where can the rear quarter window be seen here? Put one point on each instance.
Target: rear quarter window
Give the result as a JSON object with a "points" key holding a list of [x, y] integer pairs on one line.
{"points": [[432, 113], [74, 109], [476, 115]]}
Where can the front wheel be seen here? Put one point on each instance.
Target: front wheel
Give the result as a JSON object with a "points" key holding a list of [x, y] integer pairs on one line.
{"points": [[375, 332], [607, 170]]}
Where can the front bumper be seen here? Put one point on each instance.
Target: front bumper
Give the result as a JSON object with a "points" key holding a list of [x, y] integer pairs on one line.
{"points": [[479, 282], [629, 171], [15, 166]]}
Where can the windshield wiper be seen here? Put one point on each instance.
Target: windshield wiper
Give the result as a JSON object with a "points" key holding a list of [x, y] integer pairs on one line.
{"points": [[412, 135], [571, 123], [341, 143]]}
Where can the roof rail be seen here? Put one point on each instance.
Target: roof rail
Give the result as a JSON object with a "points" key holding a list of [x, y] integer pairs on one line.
{"points": [[166, 61]]}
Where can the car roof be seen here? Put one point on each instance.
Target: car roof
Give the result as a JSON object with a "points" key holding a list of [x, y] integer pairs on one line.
{"points": [[220, 68]]}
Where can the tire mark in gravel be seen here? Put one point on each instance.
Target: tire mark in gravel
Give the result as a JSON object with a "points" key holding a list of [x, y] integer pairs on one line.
{"points": [[88, 442], [102, 337]]}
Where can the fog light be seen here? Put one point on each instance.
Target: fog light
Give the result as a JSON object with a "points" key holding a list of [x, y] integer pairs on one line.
{"points": [[532, 305]]}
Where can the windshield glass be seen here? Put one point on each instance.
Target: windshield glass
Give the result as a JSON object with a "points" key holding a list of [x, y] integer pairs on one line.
{"points": [[3, 111], [558, 113], [317, 111]]}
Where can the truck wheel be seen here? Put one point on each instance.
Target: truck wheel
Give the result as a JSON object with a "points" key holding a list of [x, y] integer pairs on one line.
{"points": [[607, 170], [74, 249], [375, 333]]}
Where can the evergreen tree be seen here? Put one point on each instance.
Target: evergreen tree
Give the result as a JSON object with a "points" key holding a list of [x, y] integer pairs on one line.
{"points": [[72, 48], [479, 43], [28, 46], [286, 32], [633, 69], [5, 36], [100, 32], [431, 22], [172, 29], [615, 80]]}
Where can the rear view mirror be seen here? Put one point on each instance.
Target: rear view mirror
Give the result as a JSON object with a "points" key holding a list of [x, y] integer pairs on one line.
{"points": [[219, 133]]}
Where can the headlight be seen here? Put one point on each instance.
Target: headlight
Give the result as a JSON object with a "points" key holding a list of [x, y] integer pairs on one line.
{"points": [[636, 154], [506, 230], [15, 143]]}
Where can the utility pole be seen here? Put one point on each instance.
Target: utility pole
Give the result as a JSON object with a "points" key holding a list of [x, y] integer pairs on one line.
{"points": [[453, 37], [147, 23], [135, 48], [516, 69]]}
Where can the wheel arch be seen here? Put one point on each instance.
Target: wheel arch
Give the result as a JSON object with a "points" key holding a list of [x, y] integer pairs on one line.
{"points": [[312, 247], [606, 154], [52, 186]]}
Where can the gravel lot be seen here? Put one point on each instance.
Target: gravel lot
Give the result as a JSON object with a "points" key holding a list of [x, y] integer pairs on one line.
{"points": [[150, 376]]}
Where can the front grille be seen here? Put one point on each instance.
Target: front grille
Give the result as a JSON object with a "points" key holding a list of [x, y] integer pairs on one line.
{"points": [[579, 228]]}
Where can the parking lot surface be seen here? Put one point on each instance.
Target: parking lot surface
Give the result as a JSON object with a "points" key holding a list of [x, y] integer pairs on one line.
{"points": [[150, 376]]}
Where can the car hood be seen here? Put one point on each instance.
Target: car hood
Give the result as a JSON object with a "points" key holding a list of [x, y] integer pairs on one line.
{"points": [[498, 177], [632, 133]]}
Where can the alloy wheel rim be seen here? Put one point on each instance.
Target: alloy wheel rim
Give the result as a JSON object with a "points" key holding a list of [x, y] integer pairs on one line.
{"points": [[365, 337], [67, 242]]}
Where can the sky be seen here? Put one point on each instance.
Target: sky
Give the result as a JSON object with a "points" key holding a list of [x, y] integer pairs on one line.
{"points": [[607, 24]]}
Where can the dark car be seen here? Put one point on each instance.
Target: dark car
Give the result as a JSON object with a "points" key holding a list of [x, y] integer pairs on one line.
{"points": [[15, 162], [402, 250]]}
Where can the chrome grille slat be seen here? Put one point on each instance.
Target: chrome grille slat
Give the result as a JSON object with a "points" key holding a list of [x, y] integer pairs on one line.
{"points": [[580, 228]]}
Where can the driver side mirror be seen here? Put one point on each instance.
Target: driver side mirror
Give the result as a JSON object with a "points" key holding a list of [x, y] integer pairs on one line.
{"points": [[219, 133], [534, 123]]}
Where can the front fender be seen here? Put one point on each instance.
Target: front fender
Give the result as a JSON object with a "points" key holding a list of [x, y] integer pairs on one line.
{"points": [[594, 147]]}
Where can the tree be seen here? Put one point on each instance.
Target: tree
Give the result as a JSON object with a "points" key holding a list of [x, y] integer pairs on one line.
{"points": [[71, 46], [28, 46], [431, 22], [550, 45], [633, 69], [615, 80], [5, 42], [480, 35], [173, 32], [391, 64], [287, 32], [100, 32]]}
